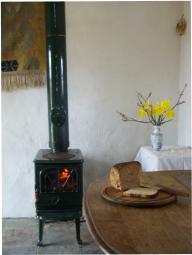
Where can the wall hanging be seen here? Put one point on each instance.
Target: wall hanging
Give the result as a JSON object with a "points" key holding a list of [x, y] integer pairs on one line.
{"points": [[23, 45]]}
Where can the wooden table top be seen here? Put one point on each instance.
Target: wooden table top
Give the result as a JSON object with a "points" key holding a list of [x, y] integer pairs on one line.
{"points": [[130, 230]]}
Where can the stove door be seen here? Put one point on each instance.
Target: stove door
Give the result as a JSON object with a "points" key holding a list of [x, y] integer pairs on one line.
{"points": [[59, 187]]}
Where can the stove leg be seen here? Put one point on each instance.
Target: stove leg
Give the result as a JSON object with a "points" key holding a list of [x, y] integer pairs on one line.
{"points": [[77, 223], [41, 223]]}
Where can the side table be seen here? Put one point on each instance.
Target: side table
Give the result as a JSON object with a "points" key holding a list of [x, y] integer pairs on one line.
{"points": [[168, 158]]}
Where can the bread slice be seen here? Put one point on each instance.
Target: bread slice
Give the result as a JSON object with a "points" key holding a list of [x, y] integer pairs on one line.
{"points": [[140, 192], [124, 176]]}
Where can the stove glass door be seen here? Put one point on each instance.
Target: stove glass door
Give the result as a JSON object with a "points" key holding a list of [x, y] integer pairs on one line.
{"points": [[58, 180]]}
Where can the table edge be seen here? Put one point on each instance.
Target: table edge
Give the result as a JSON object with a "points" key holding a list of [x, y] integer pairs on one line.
{"points": [[102, 245]]}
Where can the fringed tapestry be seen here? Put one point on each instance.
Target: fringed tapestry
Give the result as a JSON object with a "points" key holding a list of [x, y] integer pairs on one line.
{"points": [[22, 45]]}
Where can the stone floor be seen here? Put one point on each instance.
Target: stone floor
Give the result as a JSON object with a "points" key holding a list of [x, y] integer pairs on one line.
{"points": [[20, 236]]}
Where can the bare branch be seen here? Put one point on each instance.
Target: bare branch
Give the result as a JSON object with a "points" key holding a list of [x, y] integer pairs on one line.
{"points": [[141, 96], [179, 98], [126, 118], [149, 96], [165, 121], [140, 103], [139, 121]]}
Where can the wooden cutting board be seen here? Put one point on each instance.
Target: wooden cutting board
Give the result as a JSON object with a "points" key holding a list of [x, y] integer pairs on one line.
{"points": [[162, 180], [162, 198]]}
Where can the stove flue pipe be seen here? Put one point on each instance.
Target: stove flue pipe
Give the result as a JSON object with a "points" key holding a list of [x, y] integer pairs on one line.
{"points": [[57, 76]]}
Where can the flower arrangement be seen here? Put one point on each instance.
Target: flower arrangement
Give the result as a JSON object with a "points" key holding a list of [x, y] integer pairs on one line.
{"points": [[157, 114]]}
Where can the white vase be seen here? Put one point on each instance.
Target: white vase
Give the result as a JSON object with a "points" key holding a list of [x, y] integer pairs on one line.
{"points": [[156, 138]]}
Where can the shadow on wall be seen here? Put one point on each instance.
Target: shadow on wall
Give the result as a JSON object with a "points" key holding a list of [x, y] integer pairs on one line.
{"points": [[95, 169]]}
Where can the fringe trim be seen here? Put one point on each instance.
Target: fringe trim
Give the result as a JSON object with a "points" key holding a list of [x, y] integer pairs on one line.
{"points": [[25, 79]]}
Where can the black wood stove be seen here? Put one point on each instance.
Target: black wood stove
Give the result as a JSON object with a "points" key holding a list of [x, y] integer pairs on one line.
{"points": [[58, 170]]}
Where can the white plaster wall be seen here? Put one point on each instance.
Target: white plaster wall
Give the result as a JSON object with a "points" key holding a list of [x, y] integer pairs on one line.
{"points": [[24, 131], [114, 49], [184, 136]]}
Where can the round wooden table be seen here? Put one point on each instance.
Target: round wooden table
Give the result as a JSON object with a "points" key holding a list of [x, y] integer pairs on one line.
{"points": [[129, 230]]}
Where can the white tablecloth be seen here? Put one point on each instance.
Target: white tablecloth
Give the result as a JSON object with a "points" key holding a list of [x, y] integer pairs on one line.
{"points": [[169, 158]]}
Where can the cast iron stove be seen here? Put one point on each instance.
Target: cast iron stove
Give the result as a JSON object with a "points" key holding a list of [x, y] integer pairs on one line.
{"points": [[58, 170], [58, 187]]}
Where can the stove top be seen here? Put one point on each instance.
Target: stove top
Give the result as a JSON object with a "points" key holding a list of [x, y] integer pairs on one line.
{"points": [[70, 156]]}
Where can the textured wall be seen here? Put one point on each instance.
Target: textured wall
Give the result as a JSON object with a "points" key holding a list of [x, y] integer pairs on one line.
{"points": [[114, 49], [24, 131], [184, 136]]}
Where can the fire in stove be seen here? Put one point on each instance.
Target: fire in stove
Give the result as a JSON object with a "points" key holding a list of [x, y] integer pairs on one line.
{"points": [[59, 180], [66, 179], [64, 175]]}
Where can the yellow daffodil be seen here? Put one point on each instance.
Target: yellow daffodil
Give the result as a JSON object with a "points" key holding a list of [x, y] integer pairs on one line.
{"points": [[170, 114], [165, 104], [157, 110], [157, 114], [146, 105], [142, 112]]}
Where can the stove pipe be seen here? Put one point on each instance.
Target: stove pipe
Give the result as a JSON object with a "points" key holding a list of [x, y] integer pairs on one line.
{"points": [[57, 76]]}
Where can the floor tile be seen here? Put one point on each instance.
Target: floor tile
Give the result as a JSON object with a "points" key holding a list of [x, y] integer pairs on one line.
{"points": [[60, 233], [54, 248], [20, 223], [20, 237], [3, 223], [19, 250], [90, 249], [3, 226]]}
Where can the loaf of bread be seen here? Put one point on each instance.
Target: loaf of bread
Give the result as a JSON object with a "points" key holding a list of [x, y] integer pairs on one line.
{"points": [[125, 176], [140, 192]]}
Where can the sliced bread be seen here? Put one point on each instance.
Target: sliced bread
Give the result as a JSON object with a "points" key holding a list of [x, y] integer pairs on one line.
{"points": [[140, 192], [124, 176]]}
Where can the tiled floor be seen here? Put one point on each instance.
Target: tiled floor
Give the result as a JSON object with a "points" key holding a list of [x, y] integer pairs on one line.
{"points": [[20, 236]]}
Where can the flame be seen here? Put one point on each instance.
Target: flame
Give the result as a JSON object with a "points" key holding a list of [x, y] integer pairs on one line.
{"points": [[64, 175]]}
